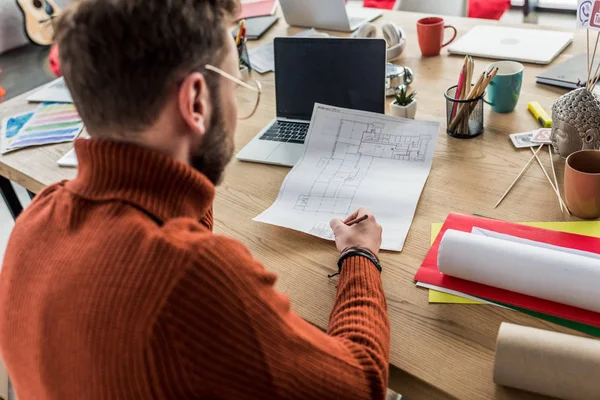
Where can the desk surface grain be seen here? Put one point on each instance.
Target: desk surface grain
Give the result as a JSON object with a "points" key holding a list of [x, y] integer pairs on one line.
{"points": [[450, 347]]}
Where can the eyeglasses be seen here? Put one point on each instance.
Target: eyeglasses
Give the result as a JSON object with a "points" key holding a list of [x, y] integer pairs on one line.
{"points": [[247, 96]]}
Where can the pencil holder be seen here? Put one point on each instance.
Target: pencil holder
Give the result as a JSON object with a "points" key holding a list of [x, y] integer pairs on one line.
{"points": [[464, 117], [243, 55]]}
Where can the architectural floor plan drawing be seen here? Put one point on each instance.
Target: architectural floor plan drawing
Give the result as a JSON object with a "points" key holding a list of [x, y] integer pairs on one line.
{"points": [[357, 144], [356, 159]]}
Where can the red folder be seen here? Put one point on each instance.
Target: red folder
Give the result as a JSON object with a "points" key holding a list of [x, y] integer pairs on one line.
{"points": [[429, 272], [254, 8]]}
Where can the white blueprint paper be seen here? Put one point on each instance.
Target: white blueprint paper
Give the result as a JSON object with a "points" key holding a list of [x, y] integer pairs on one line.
{"points": [[356, 159], [549, 273]]}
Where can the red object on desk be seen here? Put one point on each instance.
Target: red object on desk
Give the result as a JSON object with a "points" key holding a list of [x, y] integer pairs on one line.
{"points": [[53, 60], [429, 272], [386, 4], [2, 91], [488, 9], [262, 8]]}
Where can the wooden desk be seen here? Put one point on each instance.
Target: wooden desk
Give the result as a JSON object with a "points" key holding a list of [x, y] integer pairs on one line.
{"points": [[449, 347]]}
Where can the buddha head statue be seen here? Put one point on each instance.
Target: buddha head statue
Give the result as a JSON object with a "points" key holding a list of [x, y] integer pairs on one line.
{"points": [[576, 122]]}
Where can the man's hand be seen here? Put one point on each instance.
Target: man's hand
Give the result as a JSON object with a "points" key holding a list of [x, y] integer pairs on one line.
{"points": [[365, 234]]}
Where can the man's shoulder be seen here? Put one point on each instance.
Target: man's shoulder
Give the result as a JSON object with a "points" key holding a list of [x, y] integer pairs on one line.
{"points": [[202, 244]]}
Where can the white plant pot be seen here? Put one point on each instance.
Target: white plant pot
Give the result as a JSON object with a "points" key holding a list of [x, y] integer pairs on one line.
{"points": [[245, 73], [408, 111]]}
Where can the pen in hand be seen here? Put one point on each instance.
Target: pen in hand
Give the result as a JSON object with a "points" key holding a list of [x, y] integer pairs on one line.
{"points": [[357, 220]]}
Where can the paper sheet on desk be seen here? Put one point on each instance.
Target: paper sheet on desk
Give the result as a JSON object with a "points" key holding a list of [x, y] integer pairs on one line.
{"points": [[356, 159], [55, 91], [262, 57], [49, 123]]}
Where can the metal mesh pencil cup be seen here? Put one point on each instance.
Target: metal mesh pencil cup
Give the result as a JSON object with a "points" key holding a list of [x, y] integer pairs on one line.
{"points": [[464, 117]]}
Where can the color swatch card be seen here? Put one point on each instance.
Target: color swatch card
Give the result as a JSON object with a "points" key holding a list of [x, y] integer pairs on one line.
{"points": [[50, 123]]}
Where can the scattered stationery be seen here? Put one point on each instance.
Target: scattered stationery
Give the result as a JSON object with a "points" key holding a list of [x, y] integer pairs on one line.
{"points": [[263, 57], [356, 159], [571, 74], [469, 94], [256, 27], [523, 140], [68, 160], [49, 123], [53, 92], [568, 290], [540, 114], [257, 8]]}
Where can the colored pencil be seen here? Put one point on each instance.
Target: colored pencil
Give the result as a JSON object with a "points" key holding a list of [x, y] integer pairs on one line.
{"points": [[238, 38], [458, 94]]}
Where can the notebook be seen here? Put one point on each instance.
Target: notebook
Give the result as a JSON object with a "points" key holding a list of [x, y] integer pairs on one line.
{"points": [[257, 8], [570, 74], [256, 27]]}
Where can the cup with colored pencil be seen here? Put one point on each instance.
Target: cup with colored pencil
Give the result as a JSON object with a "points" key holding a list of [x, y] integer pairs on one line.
{"points": [[240, 42], [464, 102]]}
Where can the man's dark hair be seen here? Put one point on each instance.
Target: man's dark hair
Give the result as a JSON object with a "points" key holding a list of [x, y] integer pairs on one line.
{"points": [[120, 58]]}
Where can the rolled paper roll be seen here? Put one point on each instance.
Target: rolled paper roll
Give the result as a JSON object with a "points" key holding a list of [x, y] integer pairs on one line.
{"points": [[549, 274], [548, 363]]}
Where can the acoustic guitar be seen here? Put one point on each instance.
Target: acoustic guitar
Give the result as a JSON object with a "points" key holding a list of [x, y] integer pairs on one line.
{"points": [[38, 16]]}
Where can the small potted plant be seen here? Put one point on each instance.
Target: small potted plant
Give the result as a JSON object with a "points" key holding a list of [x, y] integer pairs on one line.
{"points": [[404, 104]]}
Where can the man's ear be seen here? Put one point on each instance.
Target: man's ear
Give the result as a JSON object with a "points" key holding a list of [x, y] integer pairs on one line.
{"points": [[194, 103]]}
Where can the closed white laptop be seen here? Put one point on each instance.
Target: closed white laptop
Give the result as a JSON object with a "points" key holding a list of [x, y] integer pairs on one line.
{"points": [[525, 45], [326, 14]]}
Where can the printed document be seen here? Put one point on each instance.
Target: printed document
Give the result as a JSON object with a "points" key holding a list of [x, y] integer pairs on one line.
{"points": [[356, 159]]}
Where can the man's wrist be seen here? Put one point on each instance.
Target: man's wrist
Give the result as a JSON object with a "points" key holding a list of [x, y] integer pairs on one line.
{"points": [[348, 249], [360, 252]]}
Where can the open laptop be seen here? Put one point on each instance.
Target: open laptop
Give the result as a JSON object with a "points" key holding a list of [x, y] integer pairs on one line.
{"points": [[326, 14], [525, 45], [347, 73]]}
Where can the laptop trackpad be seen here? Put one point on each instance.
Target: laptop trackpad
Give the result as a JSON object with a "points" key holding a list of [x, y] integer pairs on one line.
{"points": [[286, 154]]}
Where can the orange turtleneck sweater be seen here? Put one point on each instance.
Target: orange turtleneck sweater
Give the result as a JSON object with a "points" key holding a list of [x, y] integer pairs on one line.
{"points": [[114, 286]]}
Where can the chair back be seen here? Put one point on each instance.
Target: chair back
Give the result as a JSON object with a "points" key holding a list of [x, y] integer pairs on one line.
{"points": [[455, 8]]}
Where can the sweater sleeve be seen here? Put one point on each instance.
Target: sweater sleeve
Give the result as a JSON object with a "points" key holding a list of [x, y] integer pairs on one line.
{"points": [[234, 336]]}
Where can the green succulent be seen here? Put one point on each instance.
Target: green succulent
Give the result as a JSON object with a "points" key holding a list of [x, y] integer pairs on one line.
{"points": [[404, 99]]}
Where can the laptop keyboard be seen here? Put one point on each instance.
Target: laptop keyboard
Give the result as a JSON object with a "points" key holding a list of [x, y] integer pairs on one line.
{"points": [[291, 132]]}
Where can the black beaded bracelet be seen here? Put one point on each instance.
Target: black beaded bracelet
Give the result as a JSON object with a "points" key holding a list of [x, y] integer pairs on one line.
{"points": [[353, 253]]}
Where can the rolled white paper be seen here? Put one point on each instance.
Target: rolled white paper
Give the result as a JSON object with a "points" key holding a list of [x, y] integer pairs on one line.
{"points": [[548, 274]]}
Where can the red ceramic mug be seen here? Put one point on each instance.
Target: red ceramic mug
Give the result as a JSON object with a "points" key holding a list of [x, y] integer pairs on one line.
{"points": [[431, 35]]}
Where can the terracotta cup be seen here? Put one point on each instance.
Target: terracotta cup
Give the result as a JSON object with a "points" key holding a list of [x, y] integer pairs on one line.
{"points": [[431, 35], [582, 184]]}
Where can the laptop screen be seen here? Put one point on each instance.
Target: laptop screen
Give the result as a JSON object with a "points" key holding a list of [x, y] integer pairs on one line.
{"points": [[347, 73]]}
